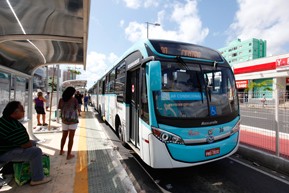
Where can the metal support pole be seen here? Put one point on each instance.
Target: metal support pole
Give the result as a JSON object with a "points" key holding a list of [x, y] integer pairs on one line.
{"points": [[148, 23], [30, 107], [57, 93], [47, 79], [276, 96], [147, 30]]}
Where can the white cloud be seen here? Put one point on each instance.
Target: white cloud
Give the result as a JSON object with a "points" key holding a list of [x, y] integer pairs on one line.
{"points": [[121, 23], [135, 31], [188, 25], [134, 4], [97, 65], [267, 20], [151, 3], [112, 58]]}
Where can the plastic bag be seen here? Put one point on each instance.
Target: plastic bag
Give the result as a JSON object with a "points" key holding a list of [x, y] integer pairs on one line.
{"points": [[22, 172]]}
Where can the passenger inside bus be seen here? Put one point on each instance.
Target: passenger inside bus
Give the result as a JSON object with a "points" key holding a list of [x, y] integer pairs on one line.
{"points": [[192, 82]]}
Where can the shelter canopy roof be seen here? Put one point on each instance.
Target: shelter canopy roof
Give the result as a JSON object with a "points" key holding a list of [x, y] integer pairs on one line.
{"points": [[34, 33], [77, 84]]}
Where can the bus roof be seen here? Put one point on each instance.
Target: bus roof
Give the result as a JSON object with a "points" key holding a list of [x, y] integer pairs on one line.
{"points": [[207, 53]]}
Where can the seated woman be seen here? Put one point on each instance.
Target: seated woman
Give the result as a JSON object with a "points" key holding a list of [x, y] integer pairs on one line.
{"points": [[15, 144]]}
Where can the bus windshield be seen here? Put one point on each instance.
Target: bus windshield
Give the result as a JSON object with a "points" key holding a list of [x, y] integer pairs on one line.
{"points": [[193, 90]]}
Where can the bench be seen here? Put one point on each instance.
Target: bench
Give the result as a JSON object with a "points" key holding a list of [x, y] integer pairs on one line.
{"points": [[2, 178], [5, 173]]}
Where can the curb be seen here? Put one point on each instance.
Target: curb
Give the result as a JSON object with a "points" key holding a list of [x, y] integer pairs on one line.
{"points": [[273, 162]]}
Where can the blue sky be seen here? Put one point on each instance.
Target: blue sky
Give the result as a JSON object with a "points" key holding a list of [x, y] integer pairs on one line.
{"points": [[116, 24]]}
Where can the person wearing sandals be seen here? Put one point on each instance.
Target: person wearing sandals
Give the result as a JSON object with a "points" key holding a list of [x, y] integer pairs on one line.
{"points": [[39, 107], [68, 106], [15, 145]]}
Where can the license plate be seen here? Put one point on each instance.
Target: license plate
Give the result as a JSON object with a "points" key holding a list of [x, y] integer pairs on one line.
{"points": [[211, 152]]}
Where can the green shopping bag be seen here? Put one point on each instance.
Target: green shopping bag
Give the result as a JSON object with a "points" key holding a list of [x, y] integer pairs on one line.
{"points": [[22, 172], [46, 164]]}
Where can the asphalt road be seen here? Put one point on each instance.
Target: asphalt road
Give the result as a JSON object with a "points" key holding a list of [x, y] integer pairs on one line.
{"points": [[265, 118], [234, 175]]}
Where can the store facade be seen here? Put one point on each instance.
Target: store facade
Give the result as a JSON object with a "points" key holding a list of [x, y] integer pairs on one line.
{"points": [[265, 76]]}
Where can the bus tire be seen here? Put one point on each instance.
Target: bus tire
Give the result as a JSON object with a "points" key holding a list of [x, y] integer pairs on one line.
{"points": [[100, 115], [121, 136]]}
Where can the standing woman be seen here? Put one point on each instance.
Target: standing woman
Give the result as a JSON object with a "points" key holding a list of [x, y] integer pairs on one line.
{"points": [[69, 116], [39, 107]]}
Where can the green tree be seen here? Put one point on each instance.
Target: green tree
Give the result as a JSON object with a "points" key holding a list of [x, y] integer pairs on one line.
{"points": [[53, 86], [264, 84], [74, 71]]}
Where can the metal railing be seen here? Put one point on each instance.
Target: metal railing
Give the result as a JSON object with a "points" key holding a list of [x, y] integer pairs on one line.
{"points": [[265, 123]]}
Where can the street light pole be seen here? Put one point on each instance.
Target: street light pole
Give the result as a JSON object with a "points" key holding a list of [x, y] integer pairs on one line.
{"points": [[148, 23]]}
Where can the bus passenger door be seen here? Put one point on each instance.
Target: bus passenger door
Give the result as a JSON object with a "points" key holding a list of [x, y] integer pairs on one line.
{"points": [[133, 90]]}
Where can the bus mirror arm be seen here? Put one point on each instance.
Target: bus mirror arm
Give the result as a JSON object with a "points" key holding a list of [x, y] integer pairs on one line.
{"points": [[146, 60]]}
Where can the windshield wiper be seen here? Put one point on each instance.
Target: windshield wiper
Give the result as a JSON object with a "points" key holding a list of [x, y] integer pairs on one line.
{"points": [[183, 64], [215, 65], [200, 87], [207, 93]]}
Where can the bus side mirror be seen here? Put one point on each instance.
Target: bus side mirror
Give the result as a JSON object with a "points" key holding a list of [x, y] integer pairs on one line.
{"points": [[155, 75]]}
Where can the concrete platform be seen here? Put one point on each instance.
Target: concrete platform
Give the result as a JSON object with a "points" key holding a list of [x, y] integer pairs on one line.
{"points": [[95, 168]]}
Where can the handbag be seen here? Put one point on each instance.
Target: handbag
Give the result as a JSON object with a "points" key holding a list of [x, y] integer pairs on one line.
{"points": [[22, 172]]}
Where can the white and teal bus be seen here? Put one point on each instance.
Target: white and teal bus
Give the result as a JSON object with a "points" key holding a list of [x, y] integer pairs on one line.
{"points": [[174, 103]]}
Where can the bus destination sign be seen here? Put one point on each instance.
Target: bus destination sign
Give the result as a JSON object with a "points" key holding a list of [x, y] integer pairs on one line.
{"points": [[182, 52], [186, 50]]}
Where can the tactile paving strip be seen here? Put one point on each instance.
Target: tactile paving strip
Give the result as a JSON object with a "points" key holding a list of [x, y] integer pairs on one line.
{"points": [[102, 176]]}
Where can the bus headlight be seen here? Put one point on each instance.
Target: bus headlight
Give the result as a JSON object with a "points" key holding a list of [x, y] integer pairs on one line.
{"points": [[236, 128], [166, 137]]}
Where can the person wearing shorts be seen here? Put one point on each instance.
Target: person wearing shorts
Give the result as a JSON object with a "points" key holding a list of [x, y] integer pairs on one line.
{"points": [[39, 108], [68, 106]]}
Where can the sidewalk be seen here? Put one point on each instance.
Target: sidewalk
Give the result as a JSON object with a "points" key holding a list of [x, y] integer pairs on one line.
{"points": [[95, 168]]}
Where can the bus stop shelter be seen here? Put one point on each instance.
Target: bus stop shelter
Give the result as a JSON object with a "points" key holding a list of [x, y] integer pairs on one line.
{"points": [[77, 84], [35, 33]]}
